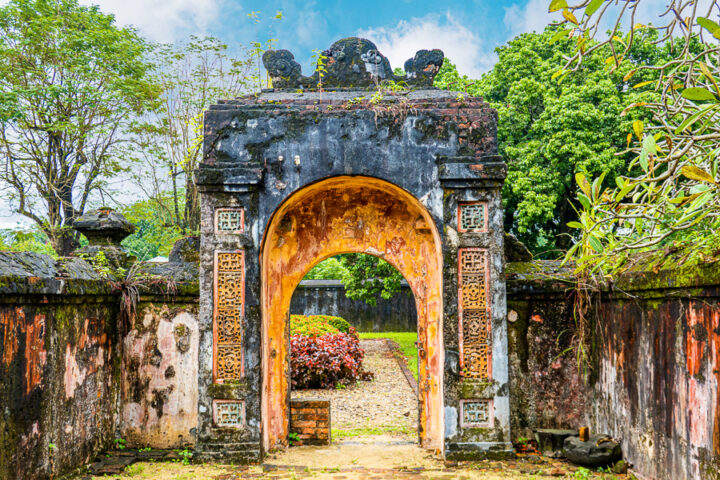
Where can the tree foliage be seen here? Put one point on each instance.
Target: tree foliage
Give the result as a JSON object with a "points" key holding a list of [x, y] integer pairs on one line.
{"points": [[329, 269], [370, 278], [549, 131], [25, 240], [155, 230], [365, 277], [670, 196], [71, 84], [193, 75]]}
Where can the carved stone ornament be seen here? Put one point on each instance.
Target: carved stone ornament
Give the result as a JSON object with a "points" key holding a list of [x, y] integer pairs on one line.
{"points": [[351, 63]]}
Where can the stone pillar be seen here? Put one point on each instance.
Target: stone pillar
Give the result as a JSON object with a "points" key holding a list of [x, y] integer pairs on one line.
{"points": [[229, 322], [477, 408]]}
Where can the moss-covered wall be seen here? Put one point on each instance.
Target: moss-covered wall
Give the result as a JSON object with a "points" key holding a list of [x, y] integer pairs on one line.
{"points": [[62, 365], [654, 365], [57, 383]]}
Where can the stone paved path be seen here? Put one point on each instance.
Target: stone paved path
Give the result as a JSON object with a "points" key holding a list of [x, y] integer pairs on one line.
{"points": [[386, 404], [371, 461]]}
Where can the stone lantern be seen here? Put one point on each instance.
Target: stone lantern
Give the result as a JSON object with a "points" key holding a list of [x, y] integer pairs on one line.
{"points": [[105, 229]]}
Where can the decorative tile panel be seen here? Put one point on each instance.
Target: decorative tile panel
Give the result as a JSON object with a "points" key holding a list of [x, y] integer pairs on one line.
{"points": [[229, 413], [228, 315], [229, 362], [473, 217], [474, 313], [229, 220], [475, 413]]}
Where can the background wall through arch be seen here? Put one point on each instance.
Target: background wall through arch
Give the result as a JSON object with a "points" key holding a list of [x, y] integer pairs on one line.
{"points": [[327, 297]]}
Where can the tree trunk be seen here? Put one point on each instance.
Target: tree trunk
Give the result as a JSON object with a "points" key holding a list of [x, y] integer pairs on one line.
{"points": [[192, 205], [64, 241]]}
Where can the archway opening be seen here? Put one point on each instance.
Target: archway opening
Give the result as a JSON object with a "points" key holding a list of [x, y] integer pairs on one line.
{"points": [[353, 340], [350, 215]]}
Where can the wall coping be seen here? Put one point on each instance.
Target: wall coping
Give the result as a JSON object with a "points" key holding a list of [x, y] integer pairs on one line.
{"points": [[550, 277]]}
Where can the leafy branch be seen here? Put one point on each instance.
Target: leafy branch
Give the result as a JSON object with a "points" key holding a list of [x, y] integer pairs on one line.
{"points": [[669, 198]]}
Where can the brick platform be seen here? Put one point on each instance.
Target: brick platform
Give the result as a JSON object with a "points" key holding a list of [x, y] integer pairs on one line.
{"points": [[310, 419]]}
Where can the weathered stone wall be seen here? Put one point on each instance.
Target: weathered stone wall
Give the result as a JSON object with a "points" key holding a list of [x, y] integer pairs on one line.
{"points": [[657, 386], [546, 387], [327, 297], [160, 374], [59, 370], [654, 364], [69, 386]]}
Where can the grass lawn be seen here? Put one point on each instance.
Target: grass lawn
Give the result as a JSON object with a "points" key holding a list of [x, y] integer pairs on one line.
{"points": [[338, 434], [406, 340]]}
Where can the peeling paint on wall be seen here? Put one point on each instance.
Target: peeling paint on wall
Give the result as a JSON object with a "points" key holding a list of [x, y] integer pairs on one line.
{"points": [[160, 375]]}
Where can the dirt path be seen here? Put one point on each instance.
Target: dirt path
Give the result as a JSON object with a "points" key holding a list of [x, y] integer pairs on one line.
{"points": [[386, 404]]}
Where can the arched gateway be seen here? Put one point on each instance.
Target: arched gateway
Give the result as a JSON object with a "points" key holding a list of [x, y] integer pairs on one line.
{"points": [[292, 177]]}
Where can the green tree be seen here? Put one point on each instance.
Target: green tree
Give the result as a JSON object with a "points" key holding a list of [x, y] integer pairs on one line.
{"points": [[155, 230], [25, 240], [193, 75], [370, 278], [665, 209], [71, 83], [549, 130], [329, 269], [365, 277]]}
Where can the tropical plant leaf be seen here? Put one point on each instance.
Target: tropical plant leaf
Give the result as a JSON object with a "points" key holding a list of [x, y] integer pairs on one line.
{"points": [[698, 94], [592, 8], [556, 5], [569, 16], [694, 173]]}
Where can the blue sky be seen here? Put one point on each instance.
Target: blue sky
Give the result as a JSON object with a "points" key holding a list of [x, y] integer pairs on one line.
{"points": [[467, 30]]}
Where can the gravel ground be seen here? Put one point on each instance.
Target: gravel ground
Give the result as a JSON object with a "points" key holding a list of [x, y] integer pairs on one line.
{"points": [[387, 403]]}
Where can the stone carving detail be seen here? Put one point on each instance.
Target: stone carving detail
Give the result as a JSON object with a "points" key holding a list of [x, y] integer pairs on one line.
{"points": [[229, 362], [230, 290], [474, 312], [472, 217], [230, 262], [229, 325], [229, 220], [229, 310], [475, 413], [229, 413], [351, 63], [422, 68]]}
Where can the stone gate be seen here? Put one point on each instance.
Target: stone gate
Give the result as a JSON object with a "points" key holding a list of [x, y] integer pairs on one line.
{"points": [[344, 162]]}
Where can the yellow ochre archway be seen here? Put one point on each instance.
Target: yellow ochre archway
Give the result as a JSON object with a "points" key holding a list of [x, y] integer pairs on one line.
{"points": [[344, 215]]}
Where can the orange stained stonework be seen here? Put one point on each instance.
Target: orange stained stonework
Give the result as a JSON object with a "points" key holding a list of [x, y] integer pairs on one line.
{"points": [[345, 215]]}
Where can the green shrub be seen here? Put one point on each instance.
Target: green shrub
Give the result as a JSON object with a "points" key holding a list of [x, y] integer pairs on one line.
{"points": [[337, 322], [310, 326]]}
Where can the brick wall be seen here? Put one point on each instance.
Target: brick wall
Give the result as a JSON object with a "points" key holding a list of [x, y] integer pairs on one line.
{"points": [[310, 420]]}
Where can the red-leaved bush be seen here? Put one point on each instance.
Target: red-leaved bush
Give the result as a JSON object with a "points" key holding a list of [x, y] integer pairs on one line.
{"points": [[326, 361]]}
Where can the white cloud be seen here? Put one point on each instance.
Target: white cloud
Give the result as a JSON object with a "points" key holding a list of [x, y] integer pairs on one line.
{"points": [[531, 17], [459, 43], [162, 20], [309, 22]]}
